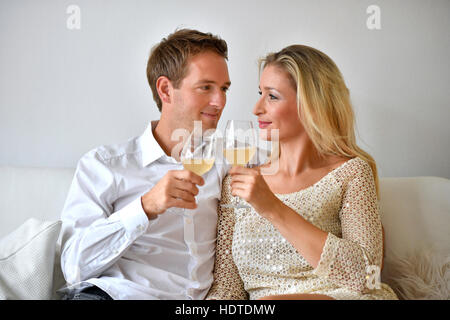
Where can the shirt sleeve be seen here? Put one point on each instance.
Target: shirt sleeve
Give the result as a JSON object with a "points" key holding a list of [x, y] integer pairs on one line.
{"points": [[348, 261], [227, 284], [94, 236]]}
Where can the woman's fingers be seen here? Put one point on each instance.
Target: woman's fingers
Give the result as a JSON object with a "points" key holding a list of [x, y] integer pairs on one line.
{"points": [[249, 179], [240, 170], [239, 185], [240, 189]]}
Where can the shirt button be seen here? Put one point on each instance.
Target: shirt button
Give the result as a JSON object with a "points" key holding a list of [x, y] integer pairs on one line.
{"points": [[189, 220]]}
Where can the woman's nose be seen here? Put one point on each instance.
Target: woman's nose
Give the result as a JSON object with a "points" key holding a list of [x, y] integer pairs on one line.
{"points": [[258, 108]]}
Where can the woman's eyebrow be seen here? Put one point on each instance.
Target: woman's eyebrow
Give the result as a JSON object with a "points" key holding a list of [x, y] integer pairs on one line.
{"points": [[270, 88]]}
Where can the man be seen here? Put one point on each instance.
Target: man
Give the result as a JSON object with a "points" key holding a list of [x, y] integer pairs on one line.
{"points": [[135, 224]]}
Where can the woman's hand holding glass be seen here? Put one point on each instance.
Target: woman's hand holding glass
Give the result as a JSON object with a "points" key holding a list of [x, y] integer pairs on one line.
{"points": [[249, 184], [239, 148]]}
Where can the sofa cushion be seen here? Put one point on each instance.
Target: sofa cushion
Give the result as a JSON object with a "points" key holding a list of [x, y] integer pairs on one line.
{"points": [[420, 275], [27, 258]]}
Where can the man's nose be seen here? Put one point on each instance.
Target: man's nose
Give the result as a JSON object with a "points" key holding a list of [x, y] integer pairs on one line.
{"points": [[219, 99]]}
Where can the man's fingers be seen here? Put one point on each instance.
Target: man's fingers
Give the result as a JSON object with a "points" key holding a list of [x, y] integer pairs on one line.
{"points": [[180, 203], [182, 194], [189, 176], [186, 186], [182, 189]]}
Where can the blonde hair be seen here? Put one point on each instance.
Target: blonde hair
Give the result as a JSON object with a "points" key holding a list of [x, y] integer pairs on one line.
{"points": [[323, 101]]}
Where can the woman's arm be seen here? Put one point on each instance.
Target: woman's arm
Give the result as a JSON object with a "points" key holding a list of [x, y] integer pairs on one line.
{"points": [[306, 238], [346, 261], [354, 260], [227, 284]]}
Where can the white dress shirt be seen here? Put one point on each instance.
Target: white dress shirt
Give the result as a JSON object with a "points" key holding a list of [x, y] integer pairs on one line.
{"points": [[108, 240]]}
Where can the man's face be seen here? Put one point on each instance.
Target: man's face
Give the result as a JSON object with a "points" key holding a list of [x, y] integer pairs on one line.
{"points": [[201, 95]]}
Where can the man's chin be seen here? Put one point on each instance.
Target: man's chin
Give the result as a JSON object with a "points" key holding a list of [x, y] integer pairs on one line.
{"points": [[208, 123]]}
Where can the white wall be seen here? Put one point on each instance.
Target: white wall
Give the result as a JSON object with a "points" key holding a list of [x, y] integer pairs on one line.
{"points": [[63, 92]]}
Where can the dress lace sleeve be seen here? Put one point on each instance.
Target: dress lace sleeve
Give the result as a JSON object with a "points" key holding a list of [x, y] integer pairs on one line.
{"points": [[348, 261], [227, 284]]}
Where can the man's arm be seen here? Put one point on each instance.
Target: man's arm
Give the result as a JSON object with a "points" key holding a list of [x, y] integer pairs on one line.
{"points": [[93, 238]]}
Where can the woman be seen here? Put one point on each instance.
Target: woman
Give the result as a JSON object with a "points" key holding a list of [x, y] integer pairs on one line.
{"points": [[313, 230]]}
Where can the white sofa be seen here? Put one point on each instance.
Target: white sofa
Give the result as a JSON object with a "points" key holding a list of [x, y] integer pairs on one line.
{"points": [[415, 214]]}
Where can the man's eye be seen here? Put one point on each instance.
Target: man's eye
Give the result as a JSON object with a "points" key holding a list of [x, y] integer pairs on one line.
{"points": [[259, 92], [225, 89], [205, 87], [272, 97]]}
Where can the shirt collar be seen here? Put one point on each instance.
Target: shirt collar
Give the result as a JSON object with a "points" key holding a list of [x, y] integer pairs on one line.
{"points": [[150, 148]]}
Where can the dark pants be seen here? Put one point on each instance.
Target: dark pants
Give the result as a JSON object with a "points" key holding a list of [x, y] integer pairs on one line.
{"points": [[91, 293]]}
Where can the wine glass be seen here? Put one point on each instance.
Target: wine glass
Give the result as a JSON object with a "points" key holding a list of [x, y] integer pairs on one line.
{"points": [[198, 153], [239, 148]]}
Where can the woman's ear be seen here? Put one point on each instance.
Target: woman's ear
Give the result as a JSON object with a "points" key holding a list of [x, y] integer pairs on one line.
{"points": [[164, 88]]}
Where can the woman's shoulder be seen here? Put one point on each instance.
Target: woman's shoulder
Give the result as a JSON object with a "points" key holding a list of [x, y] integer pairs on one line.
{"points": [[358, 165], [355, 168]]}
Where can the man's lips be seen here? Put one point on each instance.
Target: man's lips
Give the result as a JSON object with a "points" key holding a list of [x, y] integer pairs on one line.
{"points": [[209, 115], [263, 124]]}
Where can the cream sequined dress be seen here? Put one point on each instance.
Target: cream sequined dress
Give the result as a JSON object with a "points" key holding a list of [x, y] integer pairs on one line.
{"points": [[254, 260]]}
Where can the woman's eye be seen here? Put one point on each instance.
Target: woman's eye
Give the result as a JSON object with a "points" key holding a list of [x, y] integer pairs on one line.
{"points": [[259, 92], [272, 97]]}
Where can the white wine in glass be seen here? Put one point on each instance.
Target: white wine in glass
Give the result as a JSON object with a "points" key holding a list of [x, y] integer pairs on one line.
{"points": [[239, 156], [199, 152], [239, 148], [198, 166]]}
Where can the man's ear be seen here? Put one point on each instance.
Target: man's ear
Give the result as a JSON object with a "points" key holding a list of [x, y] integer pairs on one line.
{"points": [[165, 89]]}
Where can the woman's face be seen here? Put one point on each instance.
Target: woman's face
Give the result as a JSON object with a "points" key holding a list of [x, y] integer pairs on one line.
{"points": [[277, 107]]}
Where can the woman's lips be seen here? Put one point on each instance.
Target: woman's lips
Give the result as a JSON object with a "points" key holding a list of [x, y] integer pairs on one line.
{"points": [[264, 124]]}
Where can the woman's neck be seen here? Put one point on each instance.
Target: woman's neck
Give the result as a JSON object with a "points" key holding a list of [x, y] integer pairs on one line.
{"points": [[298, 155]]}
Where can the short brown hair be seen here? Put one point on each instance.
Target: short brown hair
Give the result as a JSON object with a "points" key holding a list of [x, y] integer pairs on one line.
{"points": [[169, 57]]}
